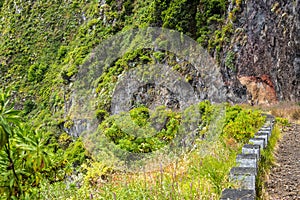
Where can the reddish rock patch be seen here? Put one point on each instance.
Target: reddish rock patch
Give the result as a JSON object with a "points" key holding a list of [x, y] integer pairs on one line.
{"points": [[261, 89]]}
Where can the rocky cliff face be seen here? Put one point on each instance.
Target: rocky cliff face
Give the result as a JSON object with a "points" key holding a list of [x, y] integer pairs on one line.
{"points": [[266, 47]]}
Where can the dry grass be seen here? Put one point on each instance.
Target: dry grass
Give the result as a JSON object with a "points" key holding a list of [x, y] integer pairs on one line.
{"points": [[288, 110]]}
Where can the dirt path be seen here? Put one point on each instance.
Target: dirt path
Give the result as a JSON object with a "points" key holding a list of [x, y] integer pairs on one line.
{"points": [[284, 179]]}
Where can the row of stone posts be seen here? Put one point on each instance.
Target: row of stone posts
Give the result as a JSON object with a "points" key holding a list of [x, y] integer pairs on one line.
{"points": [[247, 164]]}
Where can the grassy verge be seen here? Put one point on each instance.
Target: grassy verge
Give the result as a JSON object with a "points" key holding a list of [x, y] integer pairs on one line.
{"points": [[194, 176], [267, 160]]}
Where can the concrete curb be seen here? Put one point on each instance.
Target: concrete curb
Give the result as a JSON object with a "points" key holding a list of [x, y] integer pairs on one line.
{"points": [[246, 171]]}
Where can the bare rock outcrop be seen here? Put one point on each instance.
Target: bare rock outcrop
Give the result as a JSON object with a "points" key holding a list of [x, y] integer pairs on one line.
{"points": [[261, 90], [267, 42]]}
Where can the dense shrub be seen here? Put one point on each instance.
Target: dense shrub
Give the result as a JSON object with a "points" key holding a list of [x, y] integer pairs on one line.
{"points": [[241, 124], [136, 133]]}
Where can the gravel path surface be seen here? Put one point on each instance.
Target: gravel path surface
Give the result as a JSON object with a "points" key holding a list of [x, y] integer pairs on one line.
{"points": [[284, 179]]}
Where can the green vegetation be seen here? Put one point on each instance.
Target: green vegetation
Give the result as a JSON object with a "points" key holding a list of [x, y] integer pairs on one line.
{"points": [[229, 61], [33, 165], [201, 174], [43, 44], [141, 125], [241, 124], [28, 157], [282, 121]]}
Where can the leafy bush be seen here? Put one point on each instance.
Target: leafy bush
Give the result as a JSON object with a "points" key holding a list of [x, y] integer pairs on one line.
{"points": [[183, 20], [29, 105], [141, 130], [76, 153], [241, 124], [206, 111], [140, 116], [282, 121], [229, 61], [101, 115], [36, 72]]}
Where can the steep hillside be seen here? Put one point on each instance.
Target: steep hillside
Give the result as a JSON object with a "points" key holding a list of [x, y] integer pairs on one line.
{"points": [[266, 50], [43, 43], [46, 45]]}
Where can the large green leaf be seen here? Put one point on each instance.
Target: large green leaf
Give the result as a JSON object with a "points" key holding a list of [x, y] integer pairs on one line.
{"points": [[9, 118]]}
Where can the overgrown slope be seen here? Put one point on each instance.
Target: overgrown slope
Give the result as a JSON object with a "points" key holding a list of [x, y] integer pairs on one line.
{"points": [[43, 45]]}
